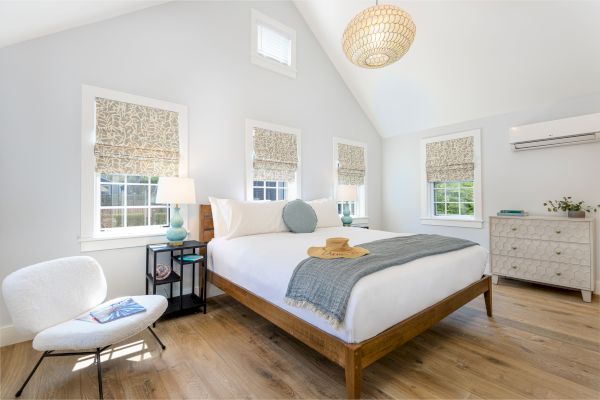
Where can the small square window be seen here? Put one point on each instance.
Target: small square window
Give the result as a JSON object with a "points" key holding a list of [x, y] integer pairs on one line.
{"points": [[273, 45]]}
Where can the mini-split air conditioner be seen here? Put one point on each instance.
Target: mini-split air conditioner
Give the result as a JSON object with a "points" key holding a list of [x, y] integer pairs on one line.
{"points": [[560, 132]]}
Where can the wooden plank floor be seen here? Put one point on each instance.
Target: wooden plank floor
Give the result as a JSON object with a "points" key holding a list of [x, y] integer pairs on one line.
{"points": [[541, 343]]}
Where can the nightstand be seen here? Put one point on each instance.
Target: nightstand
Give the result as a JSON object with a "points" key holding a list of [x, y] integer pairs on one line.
{"points": [[181, 303]]}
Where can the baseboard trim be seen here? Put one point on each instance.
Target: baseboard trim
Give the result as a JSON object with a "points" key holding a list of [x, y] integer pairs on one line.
{"points": [[9, 335]]}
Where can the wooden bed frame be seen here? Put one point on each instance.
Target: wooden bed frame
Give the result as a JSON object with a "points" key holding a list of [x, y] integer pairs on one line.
{"points": [[353, 357]]}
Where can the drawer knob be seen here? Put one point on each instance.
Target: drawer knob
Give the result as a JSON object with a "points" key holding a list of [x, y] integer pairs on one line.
{"points": [[513, 228], [558, 274], [558, 231], [514, 247], [558, 252], [514, 267]]}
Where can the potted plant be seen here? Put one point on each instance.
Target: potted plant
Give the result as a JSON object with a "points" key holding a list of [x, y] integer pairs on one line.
{"points": [[573, 209]]}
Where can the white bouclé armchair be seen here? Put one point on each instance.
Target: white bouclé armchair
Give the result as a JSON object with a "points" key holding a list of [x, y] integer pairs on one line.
{"points": [[46, 299]]}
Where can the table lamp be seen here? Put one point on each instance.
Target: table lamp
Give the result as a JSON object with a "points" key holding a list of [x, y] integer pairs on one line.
{"points": [[346, 194], [176, 191]]}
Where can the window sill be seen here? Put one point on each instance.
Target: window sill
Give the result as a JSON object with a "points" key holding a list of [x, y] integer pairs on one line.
{"points": [[121, 241], [273, 66], [459, 222]]}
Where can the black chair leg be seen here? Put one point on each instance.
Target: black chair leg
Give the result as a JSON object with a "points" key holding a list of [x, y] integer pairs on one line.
{"points": [[31, 374], [157, 339], [99, 373]]}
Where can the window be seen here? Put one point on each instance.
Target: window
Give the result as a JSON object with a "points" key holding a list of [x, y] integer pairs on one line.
{"points": [[453, 198], [272, 161], [451, 180], [120, 165], [128, 201], [273, 45], [270, 190], [350, 168]]}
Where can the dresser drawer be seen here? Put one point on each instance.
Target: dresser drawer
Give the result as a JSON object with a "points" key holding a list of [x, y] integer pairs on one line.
{"points": [[574, 276], [559, 230], [568, 253]]}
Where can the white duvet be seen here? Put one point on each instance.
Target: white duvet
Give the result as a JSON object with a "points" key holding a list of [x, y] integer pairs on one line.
{"points": [[263, 264]]}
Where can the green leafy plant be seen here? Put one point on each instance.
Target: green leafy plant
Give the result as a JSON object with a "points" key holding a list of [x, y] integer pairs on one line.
{"points": [[566, 204]]}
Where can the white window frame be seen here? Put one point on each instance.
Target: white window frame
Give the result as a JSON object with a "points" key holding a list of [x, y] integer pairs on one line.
{"points": [[428, 216], [91, 237], [362, 216], [294, 189], [258, 18]]}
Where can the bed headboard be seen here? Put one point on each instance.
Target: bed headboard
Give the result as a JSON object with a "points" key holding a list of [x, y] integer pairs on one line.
{"points": [[207, 230]]}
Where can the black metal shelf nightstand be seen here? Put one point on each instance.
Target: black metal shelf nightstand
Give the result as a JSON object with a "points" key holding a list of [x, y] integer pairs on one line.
{"points": [[182, 303]]}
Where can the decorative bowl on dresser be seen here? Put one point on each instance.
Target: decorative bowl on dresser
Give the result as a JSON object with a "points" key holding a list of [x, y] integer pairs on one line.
{"points": [[549, 250]]}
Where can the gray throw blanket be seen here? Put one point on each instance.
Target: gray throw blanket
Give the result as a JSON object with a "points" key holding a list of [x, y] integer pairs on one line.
{"points": [[324, 286]]}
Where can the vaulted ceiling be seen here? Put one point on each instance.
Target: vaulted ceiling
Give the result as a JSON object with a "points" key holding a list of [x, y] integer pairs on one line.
{"points": [[469, 59], [27, 19]]}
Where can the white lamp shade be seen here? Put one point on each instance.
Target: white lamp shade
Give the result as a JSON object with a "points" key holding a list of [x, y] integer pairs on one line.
{"points": [[172, 190], [347, 193]]}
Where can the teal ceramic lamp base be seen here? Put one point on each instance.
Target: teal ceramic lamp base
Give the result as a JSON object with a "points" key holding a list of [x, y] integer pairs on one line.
{"points": [[346, 219], [176, 234]]}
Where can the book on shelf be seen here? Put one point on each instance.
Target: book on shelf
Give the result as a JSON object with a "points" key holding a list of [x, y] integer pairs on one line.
{"points": [[512, 213], [190, 257]]}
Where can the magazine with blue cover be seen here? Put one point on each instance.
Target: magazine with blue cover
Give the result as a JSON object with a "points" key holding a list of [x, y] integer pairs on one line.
{"points": [[123, 308]]}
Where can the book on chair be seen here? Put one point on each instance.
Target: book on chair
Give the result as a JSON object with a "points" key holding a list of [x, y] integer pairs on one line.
{"points": [[122, 309]]}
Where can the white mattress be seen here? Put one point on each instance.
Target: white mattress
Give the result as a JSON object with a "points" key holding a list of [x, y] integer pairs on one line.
{"points": [[263, 264]]}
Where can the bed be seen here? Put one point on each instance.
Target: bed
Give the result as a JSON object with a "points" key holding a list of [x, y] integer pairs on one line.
{"points": [[255, 270]]}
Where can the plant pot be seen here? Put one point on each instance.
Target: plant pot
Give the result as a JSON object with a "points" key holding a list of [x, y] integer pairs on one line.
{"points": [[576, 214]]}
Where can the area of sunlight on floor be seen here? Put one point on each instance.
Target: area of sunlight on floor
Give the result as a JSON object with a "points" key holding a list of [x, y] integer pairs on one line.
{"points": [[124, 350]]}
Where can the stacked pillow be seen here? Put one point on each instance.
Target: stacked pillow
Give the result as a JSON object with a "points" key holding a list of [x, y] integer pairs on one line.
{"points": [[326, 210], [232, 218]]}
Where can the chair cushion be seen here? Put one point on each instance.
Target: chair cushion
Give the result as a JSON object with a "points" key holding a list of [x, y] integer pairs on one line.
{"points": [[83, 335], [299, 217]]}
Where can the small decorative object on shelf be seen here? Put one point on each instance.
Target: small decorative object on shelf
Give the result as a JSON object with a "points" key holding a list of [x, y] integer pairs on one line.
{"points": [[346, 194], [161, 274], [162, 271], [176, 191], [572, 208]]}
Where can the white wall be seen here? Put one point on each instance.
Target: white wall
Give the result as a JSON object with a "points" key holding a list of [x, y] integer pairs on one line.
{"points": [[192, 53], [511, 180]]}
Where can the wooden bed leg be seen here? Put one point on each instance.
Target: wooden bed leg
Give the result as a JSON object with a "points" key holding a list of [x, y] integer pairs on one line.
{"points": [[353, 373], [488, 298]]}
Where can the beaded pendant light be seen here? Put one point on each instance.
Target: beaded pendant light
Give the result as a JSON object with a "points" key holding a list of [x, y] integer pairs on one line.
{"points": [[378, 36]]}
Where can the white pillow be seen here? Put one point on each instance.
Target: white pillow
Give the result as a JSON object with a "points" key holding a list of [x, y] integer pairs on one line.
{"points": [[326, 210], [220, 223], [253, 218]]}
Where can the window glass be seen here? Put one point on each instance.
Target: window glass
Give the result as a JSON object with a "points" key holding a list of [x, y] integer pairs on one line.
{"points": [[453, 198], [274, 45], [269, 190], [130, 201]]}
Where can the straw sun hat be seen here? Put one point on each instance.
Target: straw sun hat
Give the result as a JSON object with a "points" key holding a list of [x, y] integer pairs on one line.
{"points": [[337, 248]]}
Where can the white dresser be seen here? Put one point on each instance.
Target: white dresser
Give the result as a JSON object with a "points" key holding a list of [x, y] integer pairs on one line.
{"points": [[549, 250]]}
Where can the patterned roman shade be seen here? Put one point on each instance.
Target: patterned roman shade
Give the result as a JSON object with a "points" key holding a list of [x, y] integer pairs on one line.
{"points": [[450, 160], [351, 164], [136, 140], [275, 155]]}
